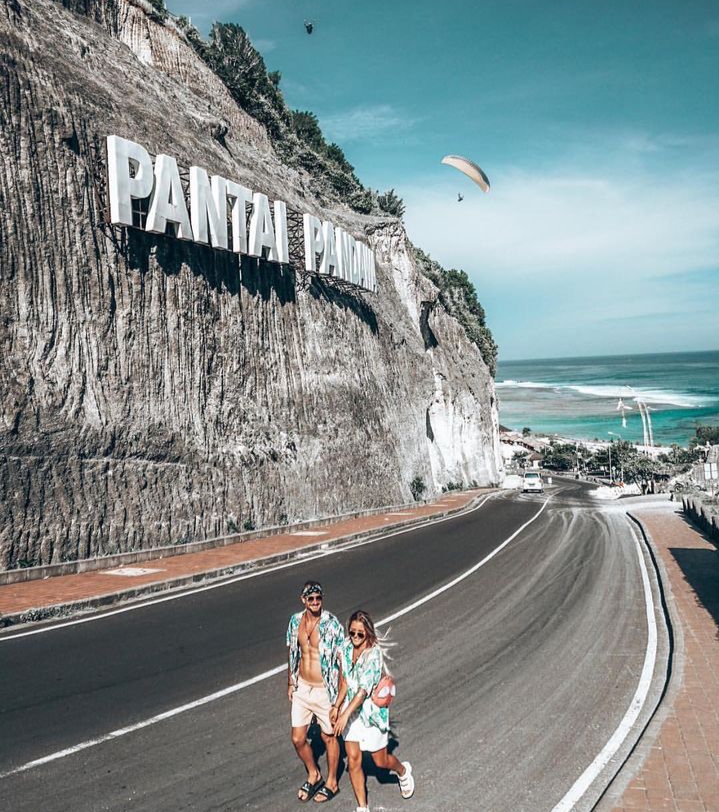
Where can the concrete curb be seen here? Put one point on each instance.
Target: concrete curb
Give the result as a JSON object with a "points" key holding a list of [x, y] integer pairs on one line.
{"points": [[16, 576], [66, 610], [634, 761]]}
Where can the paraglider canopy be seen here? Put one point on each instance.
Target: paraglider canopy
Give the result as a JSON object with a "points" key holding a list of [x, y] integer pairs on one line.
{"points": [[469, 168]]}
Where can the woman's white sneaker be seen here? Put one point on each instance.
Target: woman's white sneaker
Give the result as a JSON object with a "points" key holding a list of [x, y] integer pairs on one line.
{"points": [[406, 781]]}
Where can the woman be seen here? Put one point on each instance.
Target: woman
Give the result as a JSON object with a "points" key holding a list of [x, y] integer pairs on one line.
{"points": [[362, 724]]}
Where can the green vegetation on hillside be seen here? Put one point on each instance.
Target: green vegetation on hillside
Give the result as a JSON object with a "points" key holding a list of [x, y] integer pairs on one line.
{"points": [[459, 297], [298, 139], [296, 134], [159, 10], [627, 461], [706, 434]]}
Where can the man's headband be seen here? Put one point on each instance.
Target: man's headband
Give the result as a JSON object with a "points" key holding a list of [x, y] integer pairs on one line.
{"points": [[312, 589]]}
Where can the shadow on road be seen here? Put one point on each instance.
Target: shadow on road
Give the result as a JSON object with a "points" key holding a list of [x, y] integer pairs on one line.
{"points": [[701, 569], [382, 776]]}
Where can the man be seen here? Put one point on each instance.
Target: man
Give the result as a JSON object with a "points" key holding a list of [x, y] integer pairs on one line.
{"points": [[314, 638]]}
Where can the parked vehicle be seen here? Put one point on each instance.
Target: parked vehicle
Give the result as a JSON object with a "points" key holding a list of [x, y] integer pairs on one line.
{"points": [[532, 482]]}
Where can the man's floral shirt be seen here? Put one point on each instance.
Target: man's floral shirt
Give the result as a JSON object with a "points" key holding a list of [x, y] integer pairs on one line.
{"points": [[331, 636]]}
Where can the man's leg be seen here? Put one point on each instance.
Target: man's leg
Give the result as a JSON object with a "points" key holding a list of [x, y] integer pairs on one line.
{"points": [[333, 759], [321, 705], [304, 751]]}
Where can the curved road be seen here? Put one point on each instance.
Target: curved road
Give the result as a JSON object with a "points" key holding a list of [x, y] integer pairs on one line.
{"points": [[510, 682]]}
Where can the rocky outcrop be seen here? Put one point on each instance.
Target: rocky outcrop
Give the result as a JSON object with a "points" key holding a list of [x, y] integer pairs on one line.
{"points": [[154, 392]]}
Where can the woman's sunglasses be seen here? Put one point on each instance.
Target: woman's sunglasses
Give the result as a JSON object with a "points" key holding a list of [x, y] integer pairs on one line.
{"points": [[358, 635]]}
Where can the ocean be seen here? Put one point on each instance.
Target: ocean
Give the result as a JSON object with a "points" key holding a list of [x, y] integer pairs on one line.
{"points": [[578, 397]]}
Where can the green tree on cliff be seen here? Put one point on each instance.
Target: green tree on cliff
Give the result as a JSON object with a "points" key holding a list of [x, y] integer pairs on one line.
{"points": [[391, 203]]}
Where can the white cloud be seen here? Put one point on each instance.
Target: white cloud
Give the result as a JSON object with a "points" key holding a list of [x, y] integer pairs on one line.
{"points": [[592, 254], [557, 223], [365, 123]]}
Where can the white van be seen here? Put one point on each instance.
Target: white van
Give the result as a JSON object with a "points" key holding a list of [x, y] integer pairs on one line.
{"points": [[532, 482]]}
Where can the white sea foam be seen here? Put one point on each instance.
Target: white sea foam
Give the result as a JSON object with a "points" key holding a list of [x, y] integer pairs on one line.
{"points": [[650, 396]]}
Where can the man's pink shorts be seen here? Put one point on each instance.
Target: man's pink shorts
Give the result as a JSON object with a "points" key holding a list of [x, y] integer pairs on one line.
{"points": [[311, 700]]}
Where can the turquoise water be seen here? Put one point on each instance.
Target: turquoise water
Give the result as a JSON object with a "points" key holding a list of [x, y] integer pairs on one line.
{"points": [[578, 397]]}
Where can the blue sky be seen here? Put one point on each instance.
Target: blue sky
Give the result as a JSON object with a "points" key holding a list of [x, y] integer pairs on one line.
{"points": [[597, 123]]}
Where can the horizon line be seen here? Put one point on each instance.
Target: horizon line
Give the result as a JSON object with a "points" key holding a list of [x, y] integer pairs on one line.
{"points": [[611, 355]]}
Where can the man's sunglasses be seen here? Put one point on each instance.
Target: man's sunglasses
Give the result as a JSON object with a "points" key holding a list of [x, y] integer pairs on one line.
{"points": [[314, 599], [358, 635]]}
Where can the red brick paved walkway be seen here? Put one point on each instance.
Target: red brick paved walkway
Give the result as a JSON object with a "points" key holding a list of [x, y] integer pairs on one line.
{"points": [[681, 771], [61, 589]]}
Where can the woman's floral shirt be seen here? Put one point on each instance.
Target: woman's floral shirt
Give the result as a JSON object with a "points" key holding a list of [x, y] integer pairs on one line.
{"points": [[365, 674], [331, 636]]}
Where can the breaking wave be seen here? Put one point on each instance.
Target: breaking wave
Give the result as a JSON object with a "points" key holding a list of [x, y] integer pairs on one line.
{"points": [[651, 396]]}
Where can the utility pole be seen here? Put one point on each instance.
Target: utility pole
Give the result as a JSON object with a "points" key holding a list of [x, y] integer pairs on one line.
{"points": [[621, 461]]}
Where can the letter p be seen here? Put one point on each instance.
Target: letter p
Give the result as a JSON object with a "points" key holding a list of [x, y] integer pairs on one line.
{"points": [[123, 187], [314, 241]]}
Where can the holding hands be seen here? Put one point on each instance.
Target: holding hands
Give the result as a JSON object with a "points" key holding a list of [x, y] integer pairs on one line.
{"points": [[339, 720]]}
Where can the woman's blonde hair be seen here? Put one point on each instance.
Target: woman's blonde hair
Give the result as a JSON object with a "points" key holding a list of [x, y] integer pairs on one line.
{"points": [[374, 638], [364, 618]]}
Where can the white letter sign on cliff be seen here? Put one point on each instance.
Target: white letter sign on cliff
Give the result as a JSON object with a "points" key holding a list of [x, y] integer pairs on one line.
{"points": [[314, 241], [131, 177], [168, 200], [328, 265], [208, 205], [262, 232], [241, 197], [121, 156]]}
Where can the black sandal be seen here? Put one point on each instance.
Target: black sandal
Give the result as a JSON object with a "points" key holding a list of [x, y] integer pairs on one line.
{"points": [[310, 789], [326, 794]]}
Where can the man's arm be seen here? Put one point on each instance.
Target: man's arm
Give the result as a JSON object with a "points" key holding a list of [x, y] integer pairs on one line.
{"points": [[341, 694], [290, 679]]}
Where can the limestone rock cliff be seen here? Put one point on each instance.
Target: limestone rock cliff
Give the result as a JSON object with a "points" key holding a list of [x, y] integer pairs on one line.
{"points": [[152, 391]]}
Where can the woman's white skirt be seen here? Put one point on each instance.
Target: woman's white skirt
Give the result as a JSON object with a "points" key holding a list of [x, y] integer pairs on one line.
{"points": [[369, 737]]}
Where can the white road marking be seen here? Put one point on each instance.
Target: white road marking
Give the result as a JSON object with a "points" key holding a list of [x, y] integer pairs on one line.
{"points": [[123, 731], [310, 533], [464, 575], [340, 548], [131, 572], [587, 778]]}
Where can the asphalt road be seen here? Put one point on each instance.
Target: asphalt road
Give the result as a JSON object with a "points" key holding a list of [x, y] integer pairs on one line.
{"points": [[510, 682]]}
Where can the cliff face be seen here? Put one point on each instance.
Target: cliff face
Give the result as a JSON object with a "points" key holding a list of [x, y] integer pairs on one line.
{"points": [[153, 394]]}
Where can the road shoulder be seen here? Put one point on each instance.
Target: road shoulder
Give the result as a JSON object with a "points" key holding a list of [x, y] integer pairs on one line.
{"points": [[674, 767]]}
